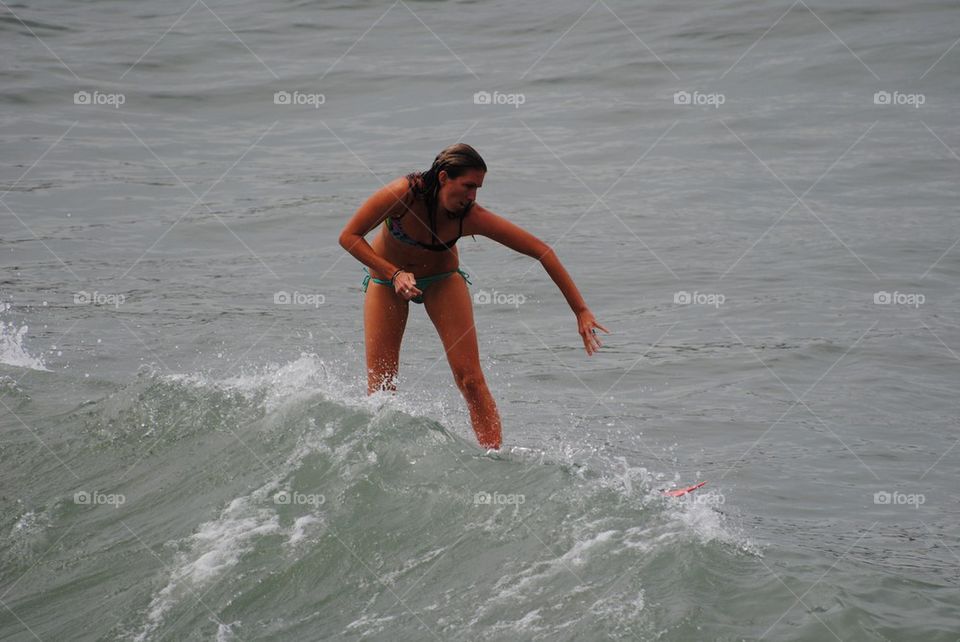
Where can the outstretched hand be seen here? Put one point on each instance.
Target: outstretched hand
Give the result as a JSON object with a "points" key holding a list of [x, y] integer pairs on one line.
{"points": [[587, 326]]}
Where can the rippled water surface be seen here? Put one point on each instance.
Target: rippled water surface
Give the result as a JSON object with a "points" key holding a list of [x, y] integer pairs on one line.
{"points": [[758, 199]]}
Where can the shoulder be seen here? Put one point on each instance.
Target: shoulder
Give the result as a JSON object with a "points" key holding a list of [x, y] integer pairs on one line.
{"points": [[395, 197], [480, 220], [401, 187]]}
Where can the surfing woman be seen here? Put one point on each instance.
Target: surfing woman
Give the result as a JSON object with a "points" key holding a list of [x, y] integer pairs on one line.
{"points": [[414, 258]]}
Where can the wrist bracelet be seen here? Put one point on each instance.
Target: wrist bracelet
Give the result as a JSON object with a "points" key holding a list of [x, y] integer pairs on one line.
{"points": [[395, 274]]}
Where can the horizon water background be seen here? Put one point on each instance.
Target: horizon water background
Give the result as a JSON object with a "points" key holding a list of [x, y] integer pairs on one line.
{"points": [[758, 199]]}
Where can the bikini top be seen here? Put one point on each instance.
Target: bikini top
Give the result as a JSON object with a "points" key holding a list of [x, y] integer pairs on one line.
{"points": [[394, 226]]}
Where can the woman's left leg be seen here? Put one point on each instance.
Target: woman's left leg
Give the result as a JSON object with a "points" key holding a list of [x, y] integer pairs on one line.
{"points": [[449, 306]]}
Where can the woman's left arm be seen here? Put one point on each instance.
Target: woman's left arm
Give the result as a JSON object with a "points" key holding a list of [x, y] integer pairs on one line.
{"points": [[484, 222]]}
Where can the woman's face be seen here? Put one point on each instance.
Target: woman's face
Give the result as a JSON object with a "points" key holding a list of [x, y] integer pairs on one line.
{"points": [[456, 194]]}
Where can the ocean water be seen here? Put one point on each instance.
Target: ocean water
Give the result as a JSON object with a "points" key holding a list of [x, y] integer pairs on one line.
{"points": [[758, 199]]}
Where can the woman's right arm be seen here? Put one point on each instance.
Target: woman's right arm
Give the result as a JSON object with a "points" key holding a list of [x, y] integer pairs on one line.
{"points": [[386, 201]]}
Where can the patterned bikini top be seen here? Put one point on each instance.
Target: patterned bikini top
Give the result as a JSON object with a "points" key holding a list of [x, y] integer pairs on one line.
{"points": [[393, 224]]}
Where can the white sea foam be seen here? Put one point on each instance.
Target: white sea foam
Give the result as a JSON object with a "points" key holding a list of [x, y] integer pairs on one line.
{"points": [[27, 537], [308, 374], [225, 632], [301, 527], [526, 624], [280, 382], [370, 624], [215, 548], [26, 522], [707, 524], [579, 550], [218, 545], [624, 608], [13, 351]]}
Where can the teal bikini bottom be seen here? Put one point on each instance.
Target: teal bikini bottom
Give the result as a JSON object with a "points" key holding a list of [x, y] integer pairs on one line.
{"points": [[422, 282]]}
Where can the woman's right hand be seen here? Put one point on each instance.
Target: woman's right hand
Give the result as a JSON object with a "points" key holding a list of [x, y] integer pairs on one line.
{"points": [[405, 285]]}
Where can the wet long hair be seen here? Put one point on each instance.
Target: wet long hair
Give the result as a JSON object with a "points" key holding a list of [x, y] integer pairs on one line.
{"points": [[456, 159]]}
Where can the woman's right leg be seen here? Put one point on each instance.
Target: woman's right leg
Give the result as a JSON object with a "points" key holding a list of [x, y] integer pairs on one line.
{"points": [[384, 318]]}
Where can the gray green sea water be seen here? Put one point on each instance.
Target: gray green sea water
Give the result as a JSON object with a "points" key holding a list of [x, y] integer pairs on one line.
{"points": [[758, 199]]}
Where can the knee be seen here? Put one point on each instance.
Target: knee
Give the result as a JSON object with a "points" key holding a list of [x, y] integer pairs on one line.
{"points": [[470, 381]]}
